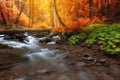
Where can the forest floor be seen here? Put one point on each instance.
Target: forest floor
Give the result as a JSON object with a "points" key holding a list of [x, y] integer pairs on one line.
{"points": [[82, 64]]}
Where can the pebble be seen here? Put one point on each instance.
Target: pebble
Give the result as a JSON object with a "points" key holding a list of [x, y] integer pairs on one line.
{"points": [[63, 77], [43, 71], [90, 58], [80, 64], [19, 79]]}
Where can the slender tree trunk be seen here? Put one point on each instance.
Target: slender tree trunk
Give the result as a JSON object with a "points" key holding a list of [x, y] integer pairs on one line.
{"points": [[108, 7], [57, 14], [103, 7], [91, 11], [18, 6], [52, 13], [3, 12], [4, 17], [30, 13], [20, 11], [32, 9]]}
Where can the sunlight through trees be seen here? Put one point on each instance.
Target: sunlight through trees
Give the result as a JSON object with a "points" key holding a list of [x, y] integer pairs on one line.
{"points": [[68, 14]]}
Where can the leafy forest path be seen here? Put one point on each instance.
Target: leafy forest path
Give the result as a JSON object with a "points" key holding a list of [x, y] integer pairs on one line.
{"points": [[58, 61]]}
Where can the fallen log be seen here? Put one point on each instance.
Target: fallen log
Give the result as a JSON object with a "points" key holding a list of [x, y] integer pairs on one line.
{"points": [[23, 31]]}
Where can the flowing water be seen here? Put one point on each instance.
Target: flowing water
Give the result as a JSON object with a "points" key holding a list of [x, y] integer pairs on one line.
{"points": [[36, 53], [38, 58], [45, 64]]}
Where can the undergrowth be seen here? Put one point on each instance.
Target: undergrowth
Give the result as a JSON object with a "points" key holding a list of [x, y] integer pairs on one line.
{"points": [[75, 38], [105, 35]]}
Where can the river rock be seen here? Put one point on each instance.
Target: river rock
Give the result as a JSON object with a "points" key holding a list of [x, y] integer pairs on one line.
{"points": [[89, 58], [17, 37], [19, 79], [61, 42], [44, 40], [43, 71], [81, 64], [63, 77]]}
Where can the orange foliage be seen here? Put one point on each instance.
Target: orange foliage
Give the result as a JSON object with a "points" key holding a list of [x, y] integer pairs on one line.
{"points": [[23, 20], [58, 29], [77, 12], [9, 14]]}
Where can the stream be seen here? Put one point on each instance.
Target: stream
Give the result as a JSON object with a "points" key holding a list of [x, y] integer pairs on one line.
{"points": [[40, 60], [46, 64]]}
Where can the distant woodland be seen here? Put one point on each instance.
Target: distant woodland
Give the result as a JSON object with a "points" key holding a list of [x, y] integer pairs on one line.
{"points": [[68, 15]]}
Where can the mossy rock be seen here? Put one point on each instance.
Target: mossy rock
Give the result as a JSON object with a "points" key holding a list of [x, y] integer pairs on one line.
{"points": [[3, 46]]}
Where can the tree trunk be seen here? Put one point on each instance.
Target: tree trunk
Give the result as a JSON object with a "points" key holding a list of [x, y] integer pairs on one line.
{"points": [[57, 14], [4, 15], [103, 7], [52, 15], [30, 12], [91, 11], [32, 18], [21, 10]]}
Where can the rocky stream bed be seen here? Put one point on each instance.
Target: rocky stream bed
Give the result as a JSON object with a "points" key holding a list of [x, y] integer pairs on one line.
{"points": [[60, 61]]}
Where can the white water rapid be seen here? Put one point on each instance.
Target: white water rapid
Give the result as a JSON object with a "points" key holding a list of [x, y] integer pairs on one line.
{"points": [[36, 54]]}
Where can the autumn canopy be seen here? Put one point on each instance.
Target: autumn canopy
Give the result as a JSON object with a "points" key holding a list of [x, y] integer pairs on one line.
{"points": [[61, 15]]}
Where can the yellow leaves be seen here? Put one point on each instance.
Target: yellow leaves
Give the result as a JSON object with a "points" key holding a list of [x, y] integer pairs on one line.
{"points": [[41, 25], [23, 20], [41, 13], [73, 13]]}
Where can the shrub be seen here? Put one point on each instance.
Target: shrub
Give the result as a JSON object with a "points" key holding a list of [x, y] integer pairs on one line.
{"points": [[107, 36], [75, 38]]}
